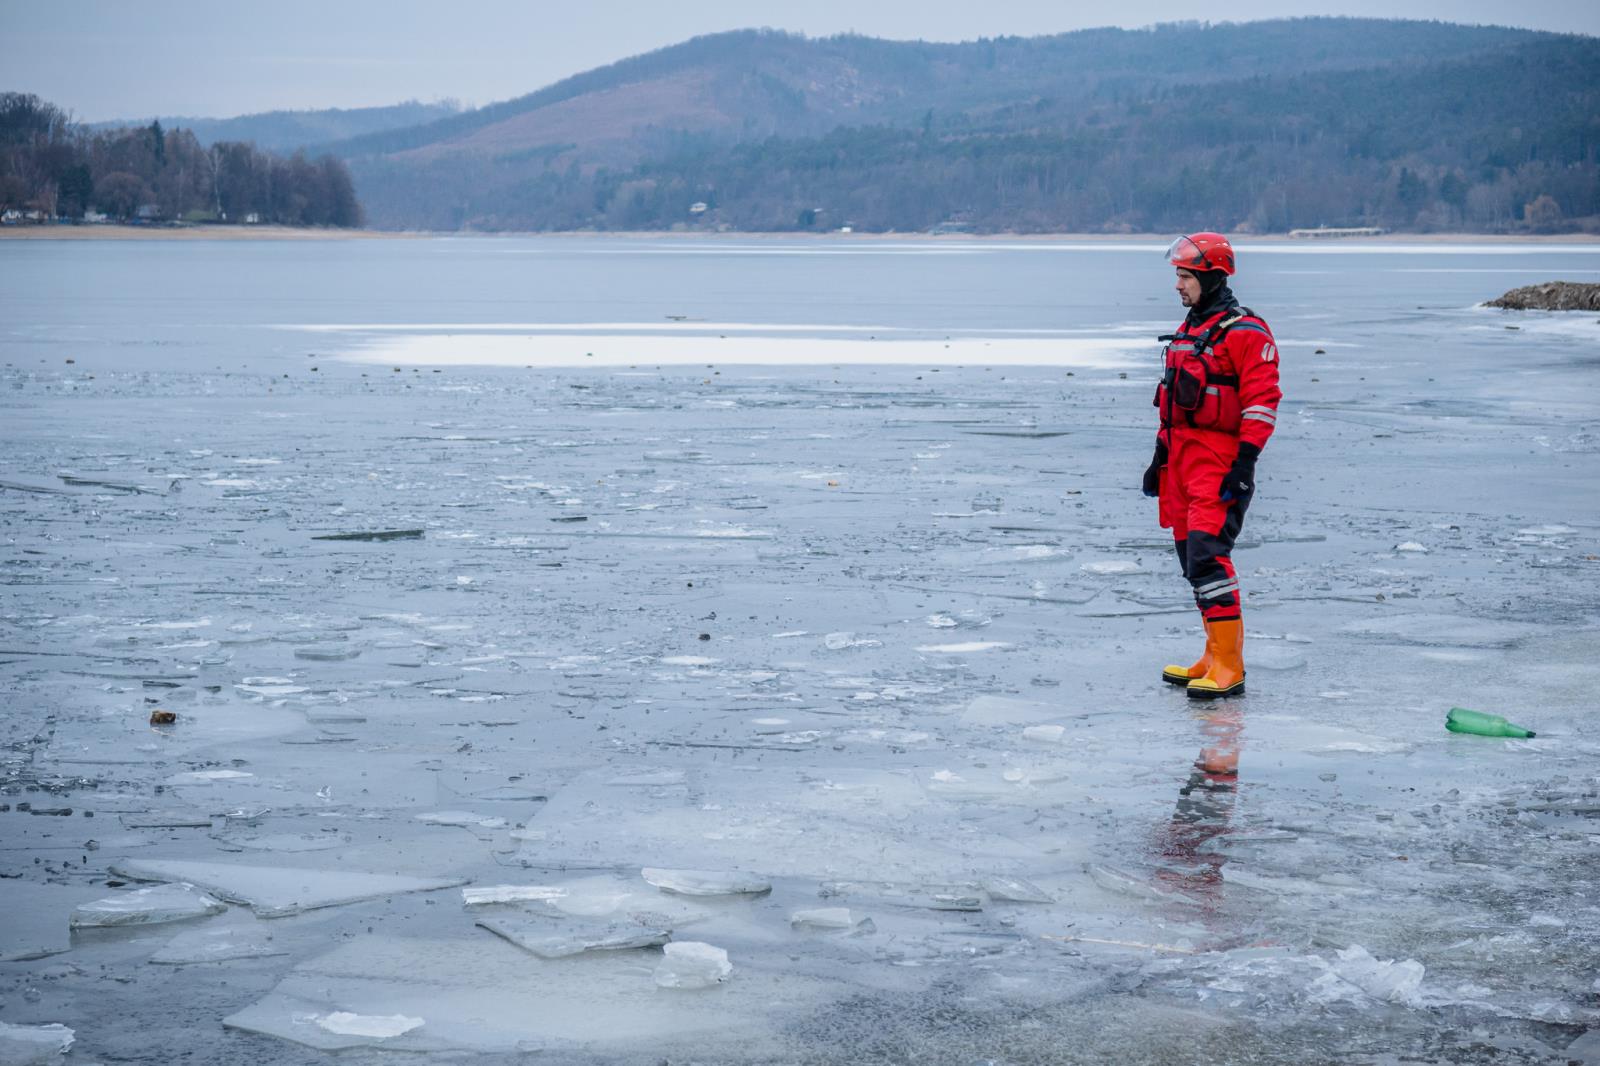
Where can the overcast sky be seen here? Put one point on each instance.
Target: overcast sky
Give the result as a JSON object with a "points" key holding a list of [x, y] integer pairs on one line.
{"points": [[106, 59]]}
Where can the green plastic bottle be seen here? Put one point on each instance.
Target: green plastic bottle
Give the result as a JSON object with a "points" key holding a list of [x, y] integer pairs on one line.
{"points": [[1461, 720]]}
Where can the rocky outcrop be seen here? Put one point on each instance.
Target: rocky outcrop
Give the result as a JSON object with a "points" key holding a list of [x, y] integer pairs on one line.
{"points": [[1552, 296]]}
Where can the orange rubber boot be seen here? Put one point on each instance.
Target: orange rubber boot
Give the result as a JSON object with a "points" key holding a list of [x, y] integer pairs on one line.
{"points": [[1225, 676], [1182, 675]]}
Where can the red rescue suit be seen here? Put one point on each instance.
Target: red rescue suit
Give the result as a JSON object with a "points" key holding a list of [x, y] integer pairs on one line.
{"points": [[1219, 387]]}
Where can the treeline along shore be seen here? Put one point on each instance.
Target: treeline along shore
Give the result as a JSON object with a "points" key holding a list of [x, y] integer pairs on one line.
{"points": [[52, 169]]}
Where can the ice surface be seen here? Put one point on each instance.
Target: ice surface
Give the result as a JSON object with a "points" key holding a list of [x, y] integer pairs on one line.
{"points": [[692, 964], [855, 772], [276, 891], [33, 1045], [706, 882], [147, 906]]}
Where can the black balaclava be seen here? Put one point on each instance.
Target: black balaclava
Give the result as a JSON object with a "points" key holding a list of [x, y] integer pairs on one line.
{"points": [[1214, 296]]}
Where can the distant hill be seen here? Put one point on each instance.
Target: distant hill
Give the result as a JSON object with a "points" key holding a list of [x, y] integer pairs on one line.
{"points": [[285, 131], [1267, 125]]}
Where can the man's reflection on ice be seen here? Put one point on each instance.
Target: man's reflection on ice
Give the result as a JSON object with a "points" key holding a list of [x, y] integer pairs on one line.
{"points": [[1186, 861]]}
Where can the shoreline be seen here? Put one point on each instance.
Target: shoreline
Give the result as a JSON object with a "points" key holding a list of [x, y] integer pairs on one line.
{"points": [[292, 233]]}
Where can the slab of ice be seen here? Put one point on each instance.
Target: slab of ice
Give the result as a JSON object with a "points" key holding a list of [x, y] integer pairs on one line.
{"points": [[1001, 710], [692, 964], [1444, 629], [1111, 567], [547, 941], [276, 891], [842, 641], [1354, 968], [706, 882], [823, 918], [27, 1045], [461, 818], [215, 945], [1126, 884], [479, 994], [291, 842], [1045, 734], [147, 906], [376, 1026], [1015, 890], [962, 648], [930, 897], [482, 895]]}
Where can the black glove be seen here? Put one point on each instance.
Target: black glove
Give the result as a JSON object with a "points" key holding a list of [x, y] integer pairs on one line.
{"points": [[1239, 483], [1152, 473]]}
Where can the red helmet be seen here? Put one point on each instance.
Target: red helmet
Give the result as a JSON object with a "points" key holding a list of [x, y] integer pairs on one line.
{"points": [[1202, 251]]}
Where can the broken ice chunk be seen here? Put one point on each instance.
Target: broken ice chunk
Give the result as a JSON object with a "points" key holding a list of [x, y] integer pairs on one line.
{"points": [[273, 891], [1114, 880], [1111, 567], [24, 1045], [823, 918], [692, 964], [485, 894], [460, 818], [841, 641], [215, 945], [1015, 890], [147, 906], [1392, 981], [547, 941], [376, 1026], [706, 882], [1045, 734]]}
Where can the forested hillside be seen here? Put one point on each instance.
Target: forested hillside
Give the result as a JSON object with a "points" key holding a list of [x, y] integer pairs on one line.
{"points": [[51, 168], [1264, 126], [286, 131]]}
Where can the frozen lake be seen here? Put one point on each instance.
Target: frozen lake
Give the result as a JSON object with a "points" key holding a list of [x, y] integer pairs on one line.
{"points": [[796, 599]]}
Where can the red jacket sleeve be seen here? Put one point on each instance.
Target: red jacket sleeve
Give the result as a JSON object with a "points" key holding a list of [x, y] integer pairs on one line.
{"points": [[1254, 355]]}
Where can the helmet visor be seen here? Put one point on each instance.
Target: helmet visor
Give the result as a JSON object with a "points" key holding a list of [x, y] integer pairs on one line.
{"points": [[1185, 253]]}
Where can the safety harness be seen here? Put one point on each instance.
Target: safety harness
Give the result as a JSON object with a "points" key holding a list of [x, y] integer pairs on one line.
{"points": [[1193, 389]]}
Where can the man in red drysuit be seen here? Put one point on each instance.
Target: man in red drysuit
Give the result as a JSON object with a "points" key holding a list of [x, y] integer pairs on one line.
{"points": [[1218, 400]]}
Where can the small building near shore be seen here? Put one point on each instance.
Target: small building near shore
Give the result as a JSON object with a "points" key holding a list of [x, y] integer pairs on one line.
{"points": [[1328, 232]]}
